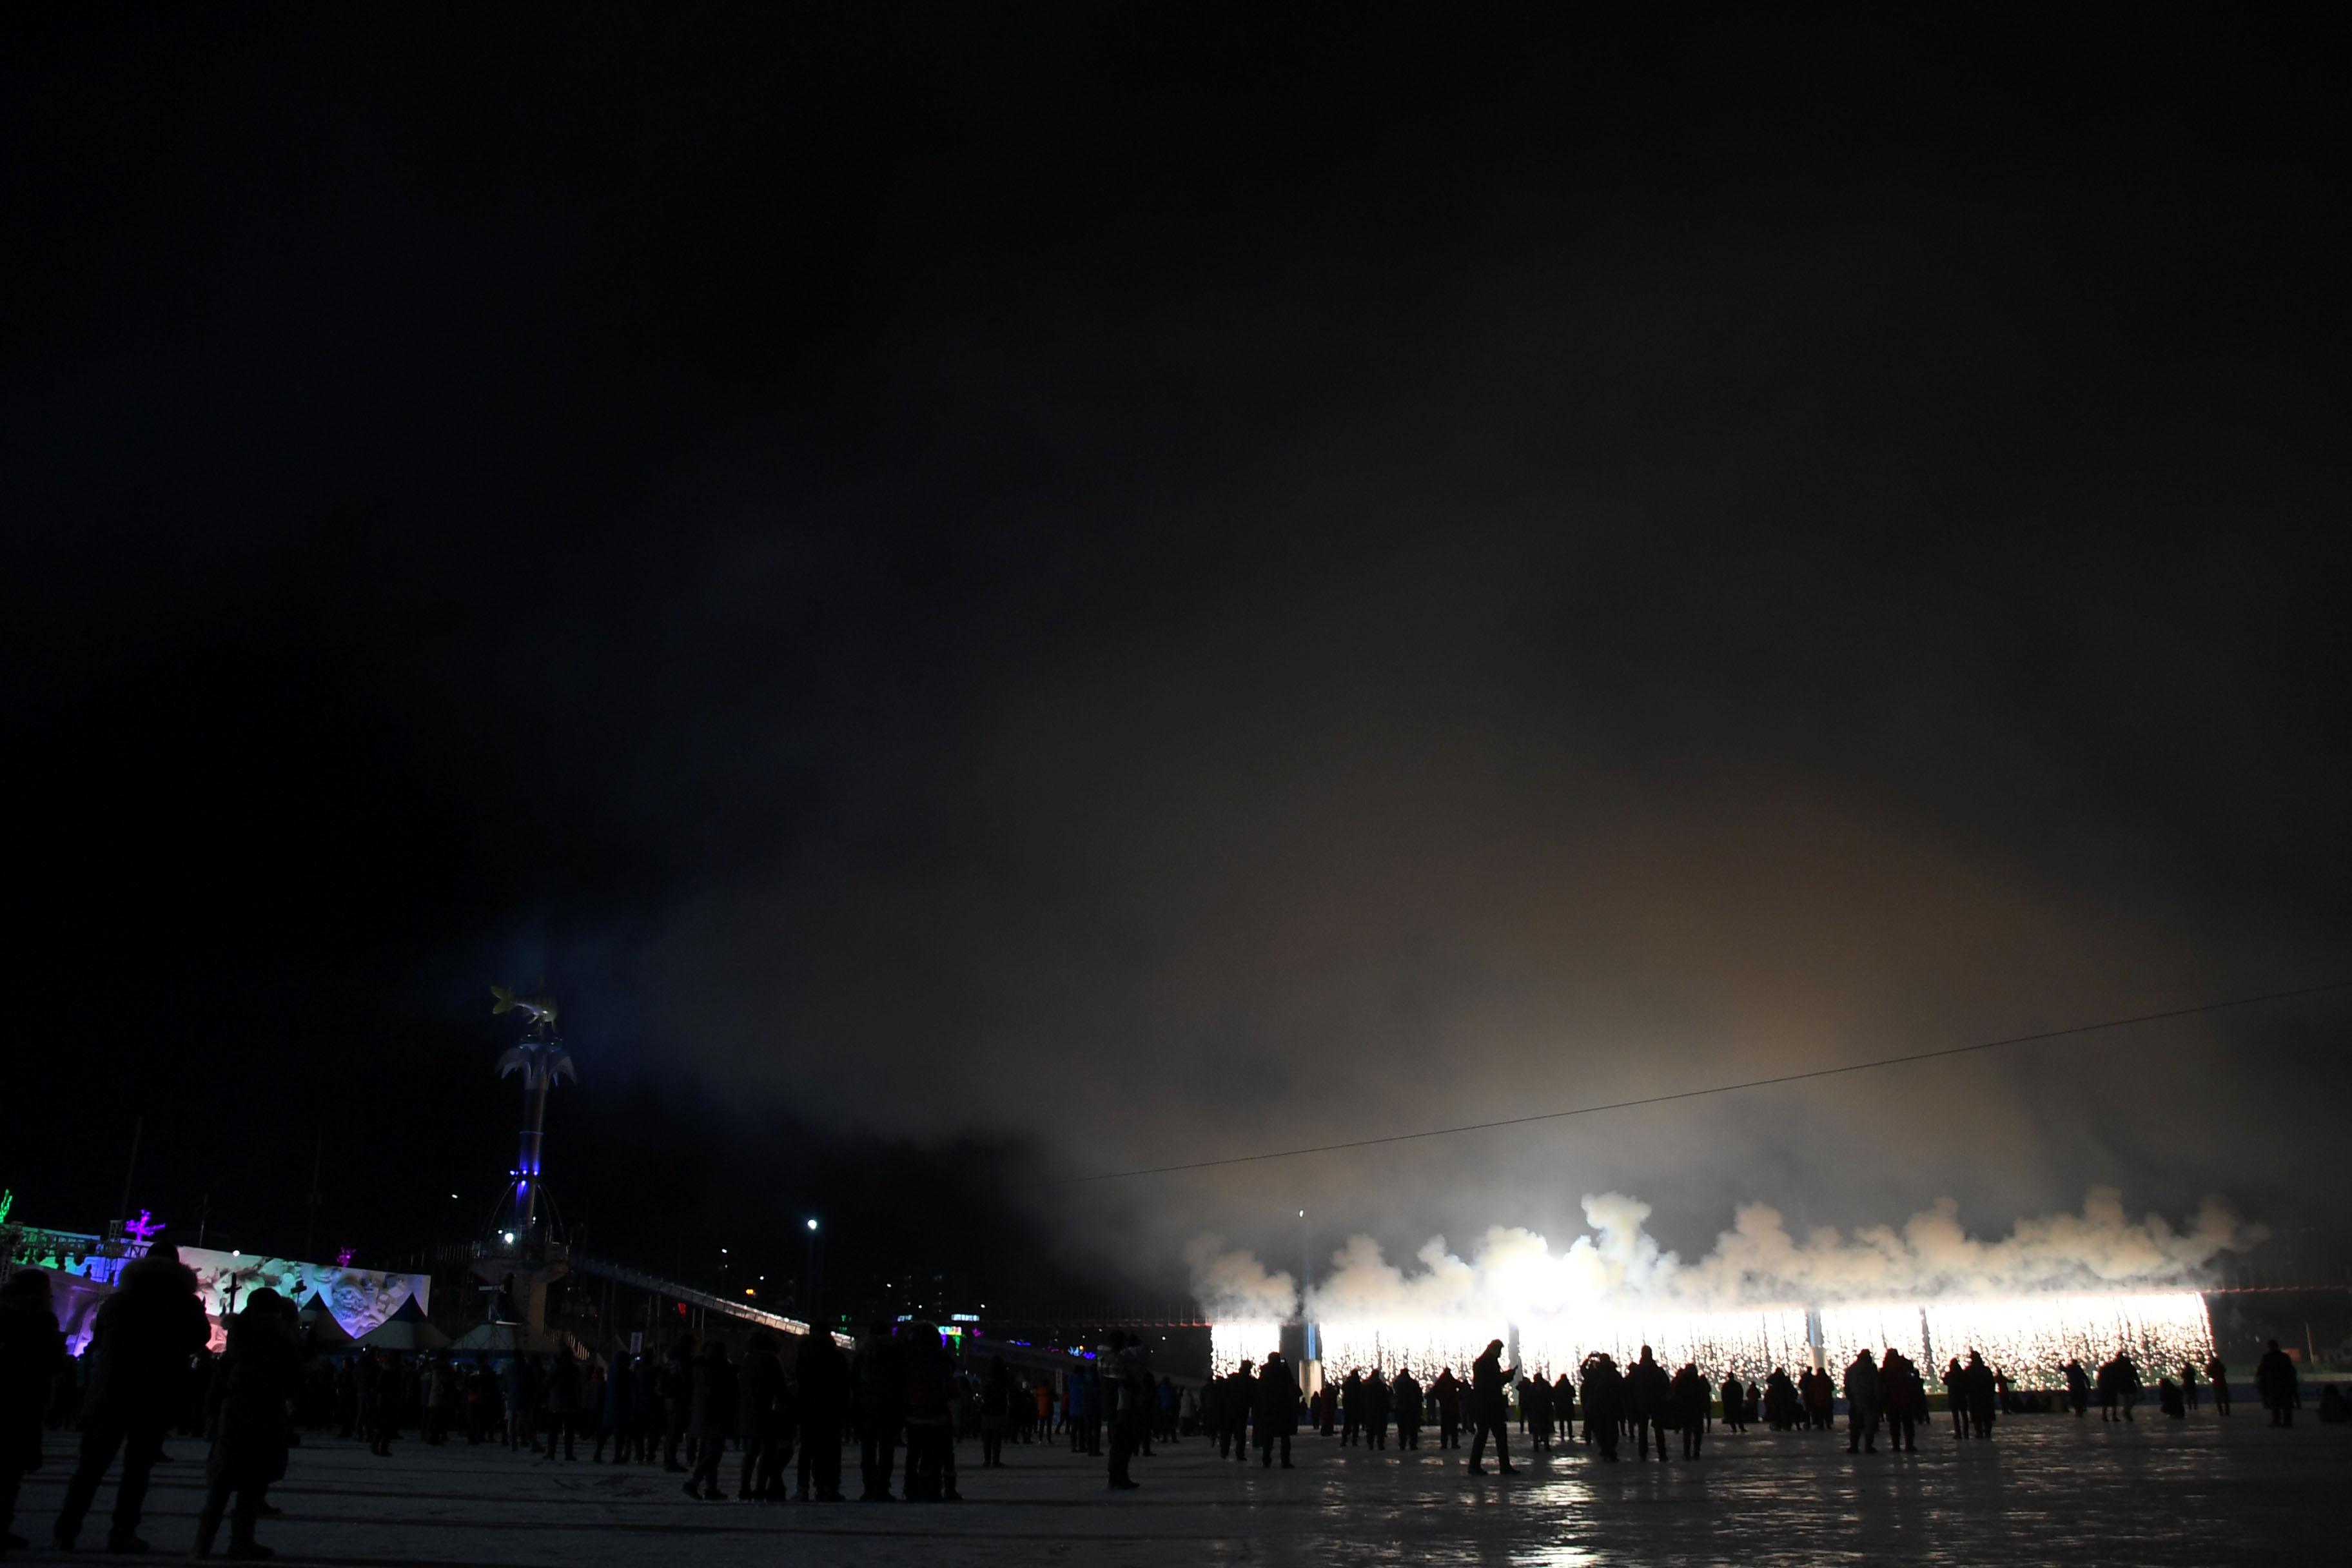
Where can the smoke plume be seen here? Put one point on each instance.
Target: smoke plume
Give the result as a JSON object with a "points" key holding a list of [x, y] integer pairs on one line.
{"points": [[1514, 1272], [1234, 1287]]}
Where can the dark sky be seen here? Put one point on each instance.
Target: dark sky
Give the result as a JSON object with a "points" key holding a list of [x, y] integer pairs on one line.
{"points": [[996, 595]]}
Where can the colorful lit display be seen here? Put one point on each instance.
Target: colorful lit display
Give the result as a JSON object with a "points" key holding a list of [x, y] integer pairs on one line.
{"points": [[358, 1300]]}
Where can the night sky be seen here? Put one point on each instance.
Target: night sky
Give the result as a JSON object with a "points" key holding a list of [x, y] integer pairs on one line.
{"points": [[996, 596]]}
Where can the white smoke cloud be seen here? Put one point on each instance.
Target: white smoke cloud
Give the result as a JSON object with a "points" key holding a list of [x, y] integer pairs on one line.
{"points": [[1513, 1273], [1235, 1287]]}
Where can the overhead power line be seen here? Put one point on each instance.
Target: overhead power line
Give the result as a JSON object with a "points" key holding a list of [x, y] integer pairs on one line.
{"points": [[1711, 1088]]}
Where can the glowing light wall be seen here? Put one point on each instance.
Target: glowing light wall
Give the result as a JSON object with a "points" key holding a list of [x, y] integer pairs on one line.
{"points": [[2029, 1338], [1230, 1345], [1750, 1342], [1423, 1349]]}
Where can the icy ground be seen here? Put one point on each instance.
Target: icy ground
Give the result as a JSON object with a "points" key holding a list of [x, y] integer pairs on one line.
{"points": [[2048, 1488]]}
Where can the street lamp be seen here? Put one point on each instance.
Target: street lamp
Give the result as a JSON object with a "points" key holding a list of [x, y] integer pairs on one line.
{"points": [[812, 1307]]}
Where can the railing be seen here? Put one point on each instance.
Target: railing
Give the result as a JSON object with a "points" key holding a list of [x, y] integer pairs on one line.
{"points": [[670, 1290]]}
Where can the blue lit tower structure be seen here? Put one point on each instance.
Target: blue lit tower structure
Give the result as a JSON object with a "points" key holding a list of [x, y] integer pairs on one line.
{"points": [[541, 1059], [522, 1255]]}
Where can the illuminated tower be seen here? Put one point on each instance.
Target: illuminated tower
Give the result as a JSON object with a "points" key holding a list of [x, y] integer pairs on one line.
{"points": [[524, 1254], [541, 1059]]}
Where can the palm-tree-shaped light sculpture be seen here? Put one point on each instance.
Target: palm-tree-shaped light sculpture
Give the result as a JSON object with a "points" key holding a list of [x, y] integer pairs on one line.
{"points": [[541, 1059]]}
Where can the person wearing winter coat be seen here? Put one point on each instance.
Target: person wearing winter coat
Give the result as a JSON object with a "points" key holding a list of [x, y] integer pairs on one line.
{"points": [[1984, 1393], [1905, 1400], [1604, 1403], [880, 1377], [561, 1401], [1692, 1397], [1650, 1392], [2276, 1382], [1862, 1404], [712, 1420], [823, 1375], [763, 1413], [930, 1372], [1276, 1411], [146, 1334], [1735, 1403], [251, 1389], [617, 1418], [1490, 1410], [1240, 1397], [32, 1353], [1448, 1389], [1405, 1395]]}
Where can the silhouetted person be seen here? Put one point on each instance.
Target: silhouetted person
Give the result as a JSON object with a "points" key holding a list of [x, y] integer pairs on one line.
{"points": [[1448, 1389], [2279, 1385], [2168, 1399], [823, 1375], [2217, 1378], [259, 1373], [930, 1393], [2078, 1386], [881, 1410], [1780, 1401], [1691, 1397], [1735, 1403], [996, 1394], [1277, 1410], [1604, 1403], [1240, 1400], [712, 1421], [2188, 1384], [1650, 1393], [677, 1400], [1563, 1406], [138, 1367], [32, 1355], [1862, 1404], [1376, 1410], [1904, 1397], [1821, 1402], [1405, 1394], [562, 1398], [1981, 1395], [1489, 1410], [614, 1412], [1351, 1407], [763, 1415]]}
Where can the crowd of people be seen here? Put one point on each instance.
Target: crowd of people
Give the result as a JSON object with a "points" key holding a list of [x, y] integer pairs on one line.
{"points": [[769, 1424], [1643, 1402]]}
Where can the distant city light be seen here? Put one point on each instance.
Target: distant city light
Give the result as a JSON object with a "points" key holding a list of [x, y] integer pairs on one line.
{"points": [[812, 1224], [510, 1234]]}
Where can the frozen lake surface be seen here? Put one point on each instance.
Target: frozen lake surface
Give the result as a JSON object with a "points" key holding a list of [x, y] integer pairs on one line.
{"points": [[2048, 1488]]}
